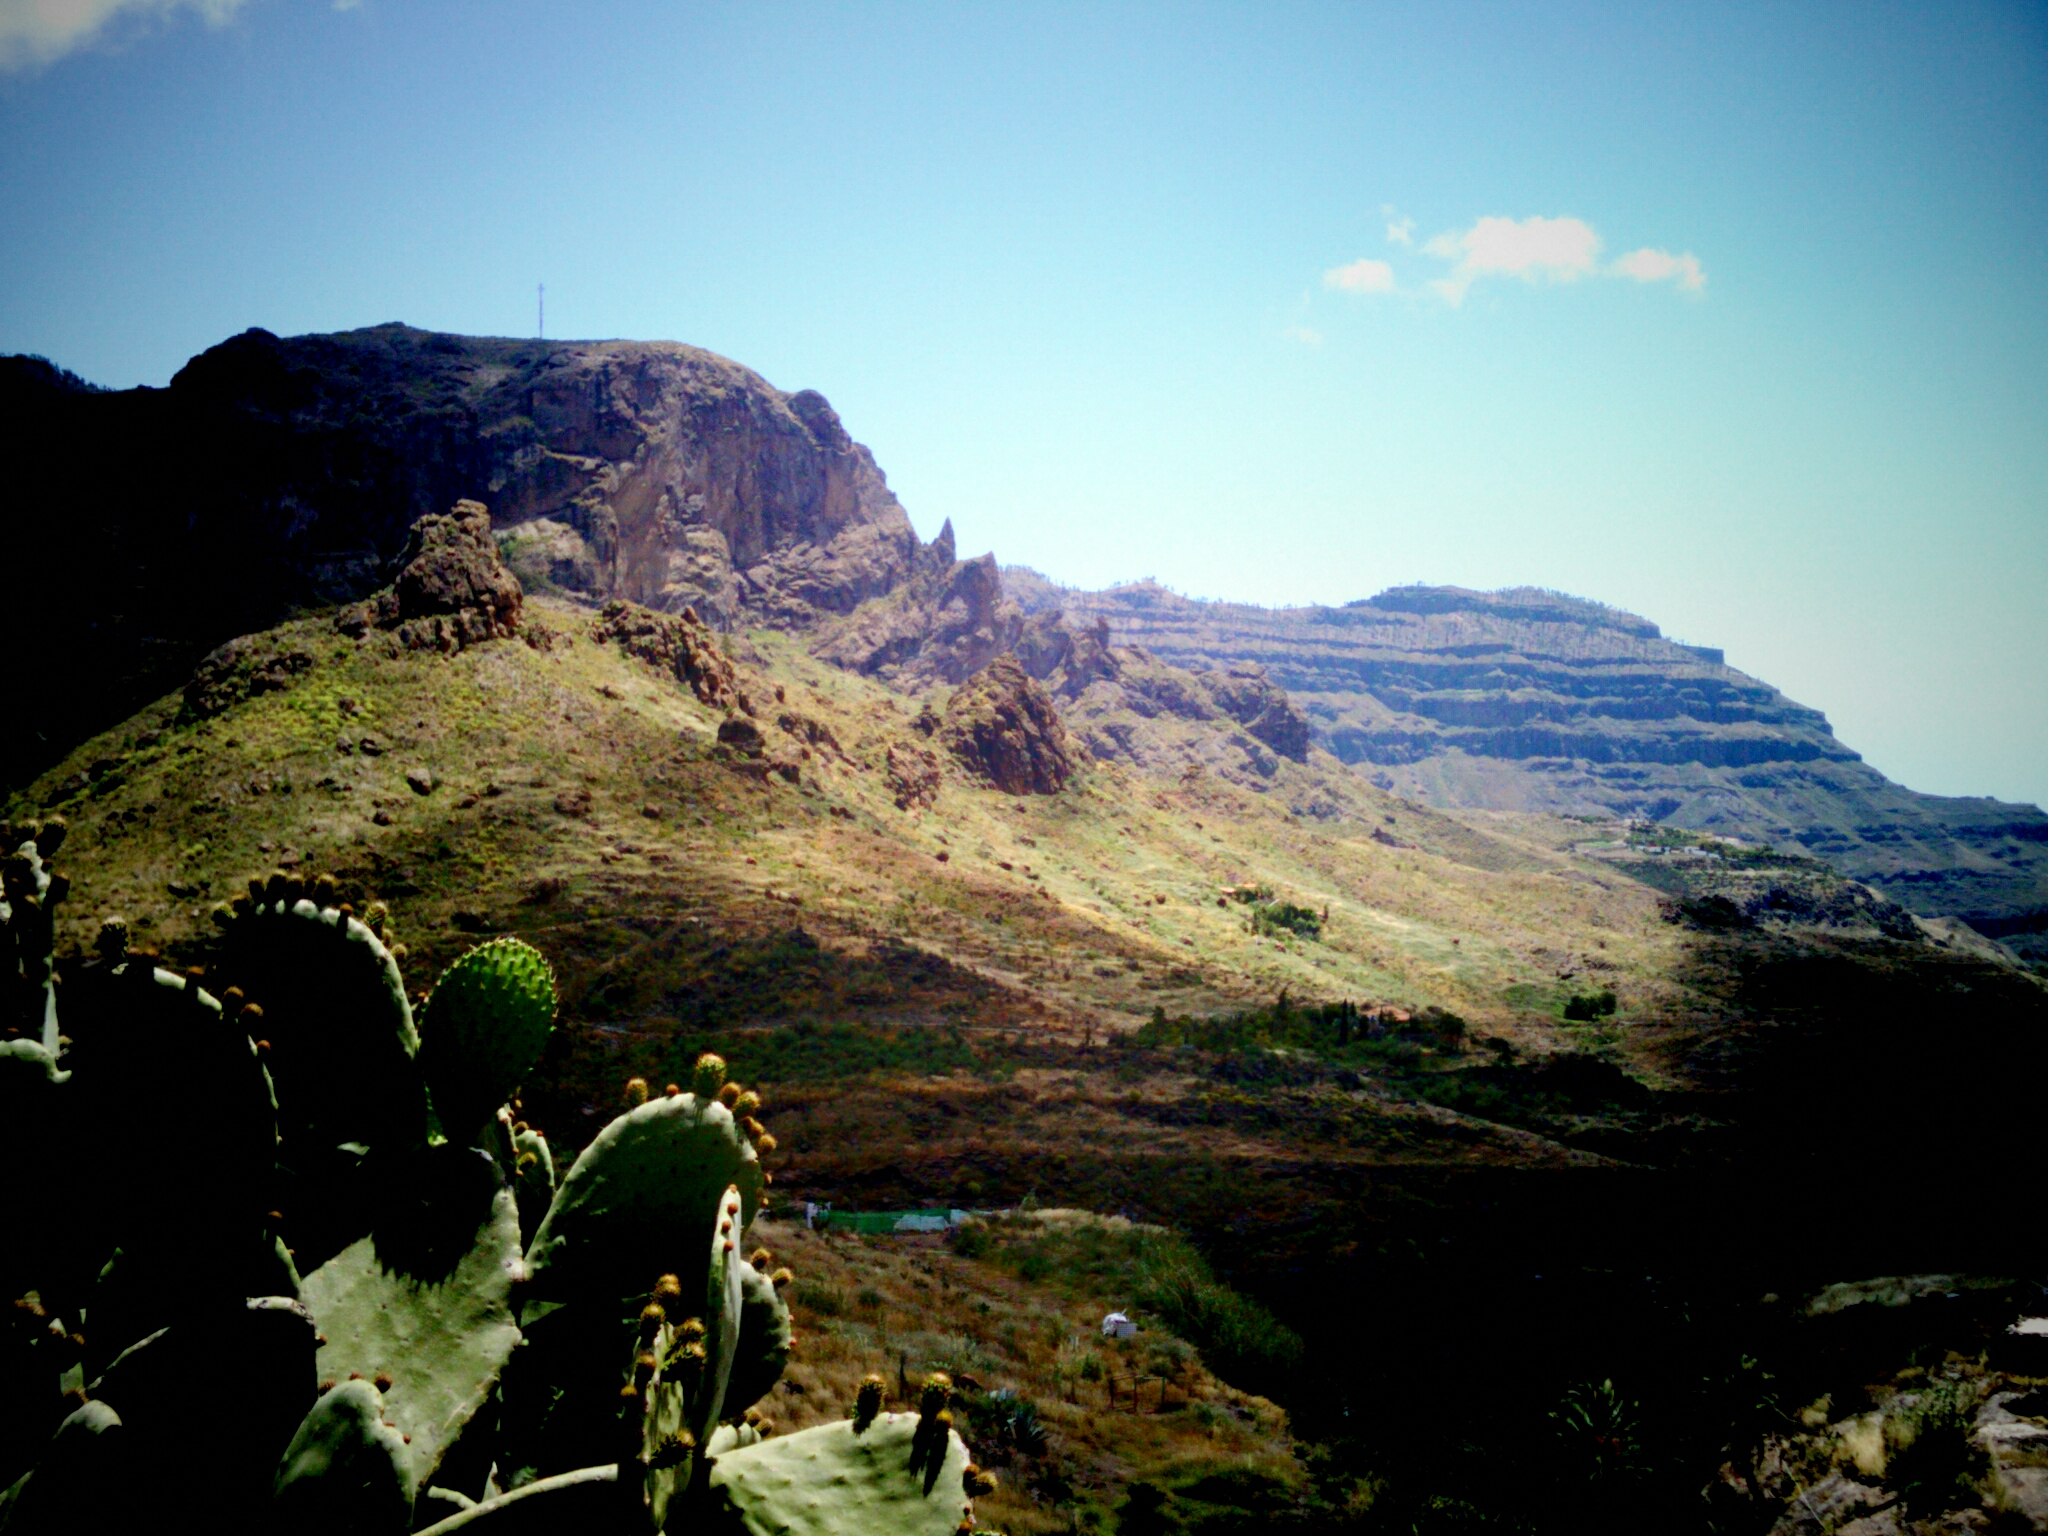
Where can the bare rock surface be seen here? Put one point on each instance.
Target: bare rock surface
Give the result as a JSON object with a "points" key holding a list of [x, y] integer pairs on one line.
{"points": [[913, 776], [451, 590], [1002, 727], [283, 474], [811, 732], [948, 620], [1126, 705], [680, 644]]}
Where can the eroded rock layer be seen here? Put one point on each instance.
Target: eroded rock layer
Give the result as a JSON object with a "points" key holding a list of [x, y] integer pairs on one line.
{"points": [[1530, 700]]}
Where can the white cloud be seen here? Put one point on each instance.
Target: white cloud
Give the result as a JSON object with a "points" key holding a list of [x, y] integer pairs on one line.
{"points": [[1537, 249], [1361, 276], [1304, 335], [41, 31], [1558, 249], [1653, 266], [1401, 232]]}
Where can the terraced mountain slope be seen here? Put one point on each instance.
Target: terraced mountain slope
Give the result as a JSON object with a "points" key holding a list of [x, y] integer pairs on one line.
{"points": [[1531, 700]]}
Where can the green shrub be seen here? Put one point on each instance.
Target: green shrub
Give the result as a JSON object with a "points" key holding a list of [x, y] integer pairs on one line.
{"points": [[1936, 1468], [1276, 917], [824, 1300], [1241, 1341]]}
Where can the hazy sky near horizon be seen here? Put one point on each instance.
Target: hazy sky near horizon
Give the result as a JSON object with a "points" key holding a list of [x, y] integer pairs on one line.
{"points": [[1734, 316]]}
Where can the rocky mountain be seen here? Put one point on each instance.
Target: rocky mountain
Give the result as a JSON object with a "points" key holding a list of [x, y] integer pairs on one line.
{"points": [[277, 475], [1107, 924], [1528, 700]]}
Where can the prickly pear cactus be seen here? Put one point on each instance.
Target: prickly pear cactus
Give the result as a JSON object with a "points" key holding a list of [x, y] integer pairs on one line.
{"points": [[345, 1470], [637, 1200], [87, 1457], [148, 1038], [724, 1302], [433, 1336], [764, 1335], [335, 1014], [533, 1176], [896, 1474], [483, 1029], [423, 1356], [30, 891]]}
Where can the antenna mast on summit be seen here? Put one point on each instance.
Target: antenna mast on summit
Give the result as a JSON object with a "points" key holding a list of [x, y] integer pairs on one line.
{"points": [[540, 325]]}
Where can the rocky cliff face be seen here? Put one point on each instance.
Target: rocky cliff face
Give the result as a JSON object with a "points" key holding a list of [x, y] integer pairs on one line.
{"points": [[1528, 700], [650, 471], [1127, 705], [280, 474], [945, 622], [276, 475]]}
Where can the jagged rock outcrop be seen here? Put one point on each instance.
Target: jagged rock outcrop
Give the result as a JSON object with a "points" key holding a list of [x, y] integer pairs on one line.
{"points": [[1531, 700], [1128, 706], [947, 621], [1250, 698], [451, 589], [913, 776], [812, 733], [1089, 658], [1001, 726], [680, 644]]}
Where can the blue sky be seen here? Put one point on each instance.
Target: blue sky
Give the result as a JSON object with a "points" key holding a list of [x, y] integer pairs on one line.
{"points": [[1254, 300]]}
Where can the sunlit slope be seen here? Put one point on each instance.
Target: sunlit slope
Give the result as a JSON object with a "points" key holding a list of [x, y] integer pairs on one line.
{"points": [[582, 798]]}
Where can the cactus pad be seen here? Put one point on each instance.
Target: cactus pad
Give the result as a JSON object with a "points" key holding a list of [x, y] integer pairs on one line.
{"points": [[763, 1342], [336, 1014], [482, 1030], [87, 1453], [835, 1480], [147, 1038], [439, 1340], [639, 1200], [724, 1304], [29, 893], [533, 1176], [345, 1470]]}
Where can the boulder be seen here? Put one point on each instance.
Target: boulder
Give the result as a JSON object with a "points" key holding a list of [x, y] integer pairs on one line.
{"points": [[1002, 727], [742, 736]]}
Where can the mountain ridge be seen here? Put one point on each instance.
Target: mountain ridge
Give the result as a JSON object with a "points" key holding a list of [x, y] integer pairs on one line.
{"points": [[277, 476], [1532, 700]]}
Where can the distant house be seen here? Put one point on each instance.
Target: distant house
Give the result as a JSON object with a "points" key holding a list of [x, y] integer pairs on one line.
{"points": [[1117, 1326]]}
